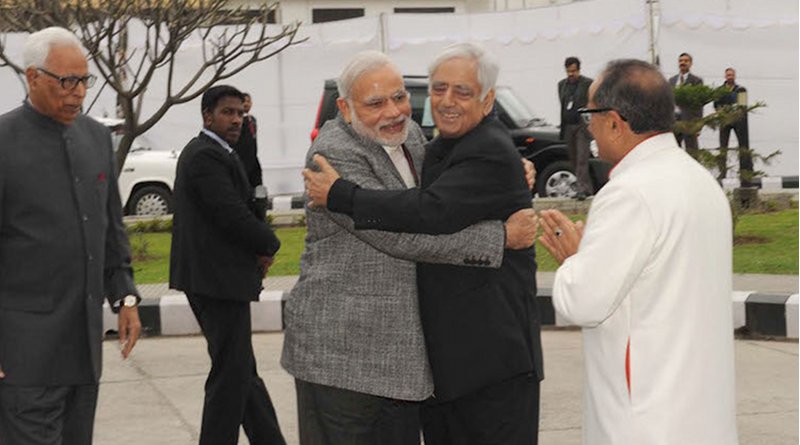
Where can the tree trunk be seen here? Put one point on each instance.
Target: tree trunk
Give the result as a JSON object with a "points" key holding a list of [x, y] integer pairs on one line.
{"points": [[746, 197], [122, 151]]}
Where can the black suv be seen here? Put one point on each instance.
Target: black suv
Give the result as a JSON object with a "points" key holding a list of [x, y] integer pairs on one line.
{"points": [[535, 139]]}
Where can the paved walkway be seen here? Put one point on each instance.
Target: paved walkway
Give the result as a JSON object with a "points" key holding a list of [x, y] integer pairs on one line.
{"points": [[155, 397]]}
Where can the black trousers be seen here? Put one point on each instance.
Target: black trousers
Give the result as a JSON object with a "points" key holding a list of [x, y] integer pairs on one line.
{"points": [[335, 416], [689, 141], [235, 394], [506, 413], [742, 136], [47, 415], [578, 139]]}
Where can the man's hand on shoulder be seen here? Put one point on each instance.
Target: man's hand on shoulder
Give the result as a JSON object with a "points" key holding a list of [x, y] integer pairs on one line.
{"points": [[129, 328], [521, 228], [318, 184]]}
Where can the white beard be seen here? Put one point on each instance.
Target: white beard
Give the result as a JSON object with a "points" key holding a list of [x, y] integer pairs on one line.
{"points": [[374, 134]]}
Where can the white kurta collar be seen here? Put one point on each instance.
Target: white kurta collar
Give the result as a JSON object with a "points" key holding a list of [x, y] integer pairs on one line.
{"points": [[663, 141]]}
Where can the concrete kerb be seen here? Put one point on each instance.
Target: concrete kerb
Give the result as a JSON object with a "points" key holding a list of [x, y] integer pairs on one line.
{"points": [[755, 314], [167, 312]]}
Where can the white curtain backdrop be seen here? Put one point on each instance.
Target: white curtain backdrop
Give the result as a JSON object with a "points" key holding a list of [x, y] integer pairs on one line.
{"points": [[760, 41]]}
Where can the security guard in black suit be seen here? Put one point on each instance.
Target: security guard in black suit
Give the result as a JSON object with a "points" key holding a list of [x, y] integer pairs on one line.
{"points": [[221, 247]]}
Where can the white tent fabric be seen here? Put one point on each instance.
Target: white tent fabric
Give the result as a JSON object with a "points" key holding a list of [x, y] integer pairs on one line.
{"points": [[758, 39], [761, 42]]}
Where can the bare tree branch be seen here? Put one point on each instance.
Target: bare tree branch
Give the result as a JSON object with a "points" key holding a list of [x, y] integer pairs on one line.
{"points": [[231, 40]]}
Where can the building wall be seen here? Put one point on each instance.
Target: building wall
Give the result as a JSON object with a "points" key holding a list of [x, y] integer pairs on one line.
{"points": [[302, 10]]}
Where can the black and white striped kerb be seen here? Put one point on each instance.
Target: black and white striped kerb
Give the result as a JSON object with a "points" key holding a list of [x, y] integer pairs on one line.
{"points": [[767, 183], [773, 315]]}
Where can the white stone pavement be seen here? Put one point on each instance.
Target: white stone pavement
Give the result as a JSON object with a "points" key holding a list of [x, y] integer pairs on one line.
{"points": [[155, 397]]}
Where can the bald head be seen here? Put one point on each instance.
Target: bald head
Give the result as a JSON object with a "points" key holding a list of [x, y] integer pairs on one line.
{"points": [[639, 92]]}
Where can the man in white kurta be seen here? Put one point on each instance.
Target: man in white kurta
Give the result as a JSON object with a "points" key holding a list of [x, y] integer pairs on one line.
{"points": [[649, 278]]}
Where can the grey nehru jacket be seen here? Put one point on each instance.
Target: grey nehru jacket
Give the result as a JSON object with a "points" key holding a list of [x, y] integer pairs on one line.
{"points": [[352, 320], [63, 247]]}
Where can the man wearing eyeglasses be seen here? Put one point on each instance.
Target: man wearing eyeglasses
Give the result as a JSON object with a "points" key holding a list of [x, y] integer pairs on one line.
{"points": [[649, 278], [63, 249]]}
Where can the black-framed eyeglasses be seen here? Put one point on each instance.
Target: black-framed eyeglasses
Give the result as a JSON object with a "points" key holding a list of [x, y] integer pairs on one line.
{"points": [[70, 82], [586, 113]]}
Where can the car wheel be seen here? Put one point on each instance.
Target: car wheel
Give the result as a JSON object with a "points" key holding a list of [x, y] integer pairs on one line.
{"points": [[151, 200], [557, 180]]}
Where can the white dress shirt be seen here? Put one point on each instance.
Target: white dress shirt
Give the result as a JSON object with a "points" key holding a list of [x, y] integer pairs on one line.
{"points": [[654, 271], [219, 140], [401, 163]]}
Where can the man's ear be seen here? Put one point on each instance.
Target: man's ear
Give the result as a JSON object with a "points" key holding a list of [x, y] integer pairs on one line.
{"points": [[488, 102], [31, 75], [206, 118], [344, 108]]}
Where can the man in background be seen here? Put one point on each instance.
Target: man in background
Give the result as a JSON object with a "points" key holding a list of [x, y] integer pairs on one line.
{"points": [[573, 93], [649, 279], [221, 249], [63, 249], [247, 145], [684, 77], [737, 95]]}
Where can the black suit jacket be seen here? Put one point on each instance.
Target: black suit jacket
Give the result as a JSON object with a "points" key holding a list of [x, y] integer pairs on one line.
{"points": [[685, 114], [580, 100], [247, 148], [481, 325], [216, 235]]}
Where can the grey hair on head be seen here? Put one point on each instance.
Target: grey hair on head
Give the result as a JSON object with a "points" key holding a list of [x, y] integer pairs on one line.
{"points": [[39, 44], [361, 63], [488, 69], [637, 90]]}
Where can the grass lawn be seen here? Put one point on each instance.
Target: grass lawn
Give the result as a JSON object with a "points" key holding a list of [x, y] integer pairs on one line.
{"points": [[765, 243]]}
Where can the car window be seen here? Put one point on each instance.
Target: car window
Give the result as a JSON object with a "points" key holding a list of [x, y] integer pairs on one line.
{"points": [[418, 100], [427, 117], [515, 108]]}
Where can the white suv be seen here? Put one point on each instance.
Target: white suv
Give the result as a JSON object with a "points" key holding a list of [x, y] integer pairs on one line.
{"points": [[148, 176]]}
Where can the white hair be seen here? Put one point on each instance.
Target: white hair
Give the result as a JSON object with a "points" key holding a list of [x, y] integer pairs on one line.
{"points": [[361, 63], [488, 69], [39, 44]]}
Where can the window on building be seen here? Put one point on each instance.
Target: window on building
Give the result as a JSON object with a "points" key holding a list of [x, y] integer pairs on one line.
{"points": [[424, 10], [248, 15], [322, 15]]}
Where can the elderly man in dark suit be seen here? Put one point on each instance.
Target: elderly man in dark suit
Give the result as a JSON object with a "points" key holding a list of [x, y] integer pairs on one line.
{"points": [[221, 247], [481, 326], [684, 77], [63, 249], [354, 338]]}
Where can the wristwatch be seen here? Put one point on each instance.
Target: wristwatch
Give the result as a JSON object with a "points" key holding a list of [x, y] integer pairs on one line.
{"points": [[129, 301]]}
